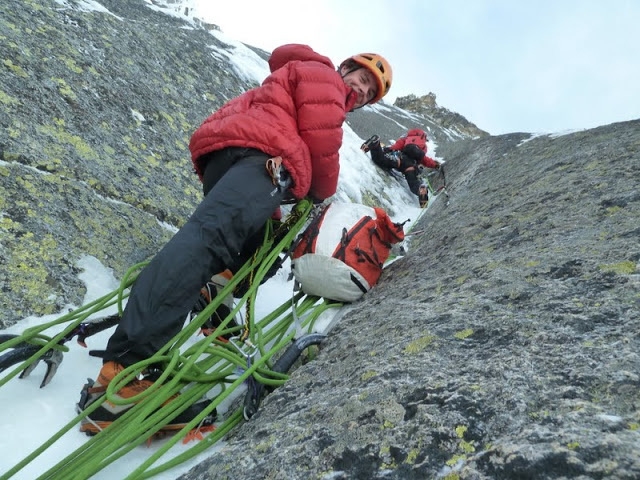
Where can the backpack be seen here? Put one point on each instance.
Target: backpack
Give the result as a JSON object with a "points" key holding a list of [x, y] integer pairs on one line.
{"points": [[340, 255], [417, 137]]}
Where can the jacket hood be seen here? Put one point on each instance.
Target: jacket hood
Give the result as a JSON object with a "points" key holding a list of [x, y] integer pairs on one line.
{"points": [[296, 52]]}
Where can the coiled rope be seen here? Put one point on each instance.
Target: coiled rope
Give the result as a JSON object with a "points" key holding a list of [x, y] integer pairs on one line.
{"points": [[209, 368]]}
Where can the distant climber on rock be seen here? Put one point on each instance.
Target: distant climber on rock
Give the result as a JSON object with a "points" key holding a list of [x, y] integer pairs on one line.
{"points": [[407, 155]]}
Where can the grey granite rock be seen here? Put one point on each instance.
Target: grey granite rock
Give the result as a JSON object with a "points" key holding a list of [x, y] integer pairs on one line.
{"points": [[504, 345]]}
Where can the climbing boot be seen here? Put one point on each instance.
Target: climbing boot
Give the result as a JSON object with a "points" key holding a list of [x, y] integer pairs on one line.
{"points": [[109, 412], [366, 146], [423, 195]]}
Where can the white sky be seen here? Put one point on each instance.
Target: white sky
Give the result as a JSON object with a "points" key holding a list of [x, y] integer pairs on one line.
{"points": [[507, 66]]}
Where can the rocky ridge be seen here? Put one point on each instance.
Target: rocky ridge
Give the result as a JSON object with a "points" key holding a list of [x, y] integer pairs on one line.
{"points": [[426, 105]]}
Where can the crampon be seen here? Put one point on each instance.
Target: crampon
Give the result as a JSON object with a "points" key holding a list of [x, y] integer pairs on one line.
{"points": [[107, 413], [367, 143]]}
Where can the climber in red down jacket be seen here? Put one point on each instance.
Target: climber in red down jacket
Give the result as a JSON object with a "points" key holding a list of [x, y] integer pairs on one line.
{"points": [[408, 154], [275, 142]]}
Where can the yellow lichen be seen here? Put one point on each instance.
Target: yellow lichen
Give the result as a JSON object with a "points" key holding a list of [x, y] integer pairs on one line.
{"points": [[168, 118], [467, 447], [64, 89], [420, 344], [367, 375], [63, 137], [412, 455], [613, 210], [622, 268], [453, 460], [7, 99], [152, 160], [71, 65], [462, 334], [16, 69]]}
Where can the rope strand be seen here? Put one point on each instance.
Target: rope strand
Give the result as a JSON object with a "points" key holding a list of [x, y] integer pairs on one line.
{"points": [[208, 367]]}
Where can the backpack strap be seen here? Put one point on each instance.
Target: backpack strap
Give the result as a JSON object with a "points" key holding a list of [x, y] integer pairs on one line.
{"points": [[358, 283], [364, 256], [347, 237], [311, 233]]}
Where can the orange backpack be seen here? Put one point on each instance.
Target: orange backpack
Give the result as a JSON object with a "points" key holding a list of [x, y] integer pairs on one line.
{"points": [[417, 137], [340, 255]]}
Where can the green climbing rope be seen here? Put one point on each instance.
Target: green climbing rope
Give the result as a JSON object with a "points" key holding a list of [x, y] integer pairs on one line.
{"points": [[208, 367]]}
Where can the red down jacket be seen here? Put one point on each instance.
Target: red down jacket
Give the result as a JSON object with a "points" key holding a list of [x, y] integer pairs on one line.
{"points": [[297, 113], [418, 137]]}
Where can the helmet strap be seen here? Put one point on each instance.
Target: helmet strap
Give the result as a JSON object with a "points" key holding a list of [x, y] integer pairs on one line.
{"points": [[355, 67]]}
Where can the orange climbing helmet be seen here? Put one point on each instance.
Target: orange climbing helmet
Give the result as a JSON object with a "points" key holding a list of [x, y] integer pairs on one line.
{"points": [[380, 68]]}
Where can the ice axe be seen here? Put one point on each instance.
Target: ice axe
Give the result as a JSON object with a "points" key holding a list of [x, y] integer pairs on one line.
{"points": [[23, 350], [443, 187]]}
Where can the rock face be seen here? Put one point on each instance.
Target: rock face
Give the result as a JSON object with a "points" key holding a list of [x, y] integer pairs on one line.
{"points": [[504, 345], [96, 110]]}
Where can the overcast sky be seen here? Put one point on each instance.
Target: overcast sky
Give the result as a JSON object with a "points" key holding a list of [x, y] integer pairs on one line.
{"points": [[507, 66]]}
